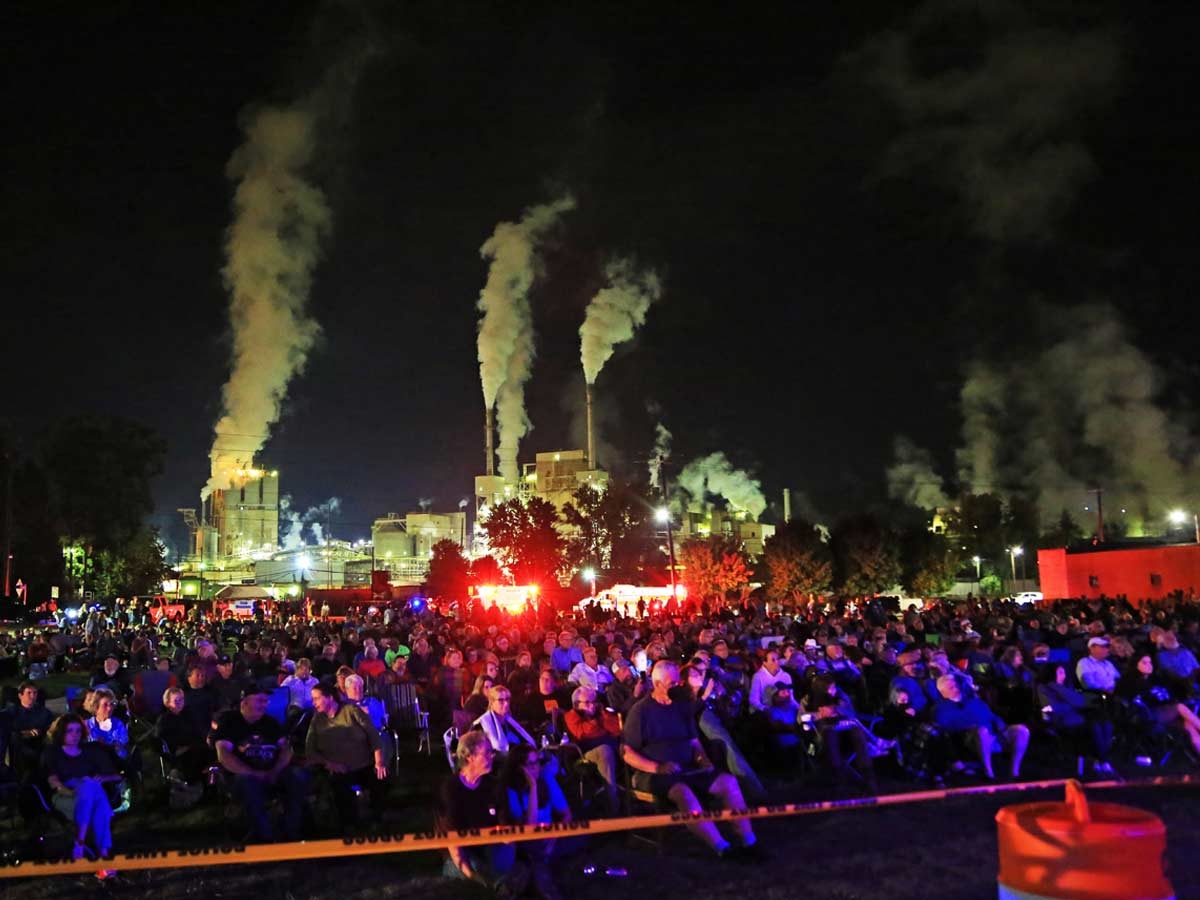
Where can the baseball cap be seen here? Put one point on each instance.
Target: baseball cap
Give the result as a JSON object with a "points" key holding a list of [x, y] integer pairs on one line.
{"points": [[403, 651], [224, 659], [811, 642], [1098, 641]]}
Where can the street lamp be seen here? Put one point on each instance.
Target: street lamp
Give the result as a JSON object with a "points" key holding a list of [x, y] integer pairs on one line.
{"points": [[662, 515], [200, 569], [1013, 553], [977, 561], [1179, 517], [590, 574]]}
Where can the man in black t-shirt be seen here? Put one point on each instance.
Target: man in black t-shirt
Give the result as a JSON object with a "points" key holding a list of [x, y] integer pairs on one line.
{"points": [[256, 753]]}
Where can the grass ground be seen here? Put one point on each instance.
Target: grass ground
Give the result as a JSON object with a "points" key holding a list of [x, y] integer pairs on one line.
{"points": [[944, 849]]}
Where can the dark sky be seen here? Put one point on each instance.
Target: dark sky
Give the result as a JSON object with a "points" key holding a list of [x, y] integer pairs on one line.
{"points": [[839, 234]]}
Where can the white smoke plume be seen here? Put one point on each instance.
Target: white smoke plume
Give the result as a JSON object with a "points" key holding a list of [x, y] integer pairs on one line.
{"points": [[318, 519], [715, 475], [994, 97], [464, 503], [911, 478], [615, 313], [425, 503], [982, 401], [293, 537], [506, 347], [272, 248], [660, 453], [1078, 413]]}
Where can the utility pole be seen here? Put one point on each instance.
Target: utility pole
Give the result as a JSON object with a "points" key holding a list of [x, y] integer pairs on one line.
{"points": [[1099, 492], [662, 473]]}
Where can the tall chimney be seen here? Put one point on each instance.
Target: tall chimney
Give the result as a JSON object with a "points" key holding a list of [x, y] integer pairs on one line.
{"points": [[787, 505], [591, 437], [489, 431]]}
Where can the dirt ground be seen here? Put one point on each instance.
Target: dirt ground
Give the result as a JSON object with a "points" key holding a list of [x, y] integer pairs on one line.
{"points": [[945, 849]]}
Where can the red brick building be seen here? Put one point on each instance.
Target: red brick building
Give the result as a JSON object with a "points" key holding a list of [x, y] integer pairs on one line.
{"points": [[1140, 572]]}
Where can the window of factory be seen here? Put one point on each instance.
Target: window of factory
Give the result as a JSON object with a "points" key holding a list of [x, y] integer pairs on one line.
{"points": [[1155, 580], [1094, 581]]}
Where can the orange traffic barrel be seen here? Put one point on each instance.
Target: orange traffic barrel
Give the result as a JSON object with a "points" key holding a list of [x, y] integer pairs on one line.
{"points": [[1080, 851]]}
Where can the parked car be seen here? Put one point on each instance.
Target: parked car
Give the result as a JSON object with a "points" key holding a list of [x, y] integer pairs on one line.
{"points": [[1029, 597]]}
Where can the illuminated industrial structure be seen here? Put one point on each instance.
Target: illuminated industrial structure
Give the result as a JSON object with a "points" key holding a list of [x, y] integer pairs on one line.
{"points": [[703, 520], [237, 522]]}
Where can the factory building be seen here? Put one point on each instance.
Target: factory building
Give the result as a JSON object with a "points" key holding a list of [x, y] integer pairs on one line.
{"points": [[698, 523], [240, 521]]}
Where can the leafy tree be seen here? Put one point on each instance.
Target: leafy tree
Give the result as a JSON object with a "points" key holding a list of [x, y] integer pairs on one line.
{"points": [[100, 471], [449, 571], [713, 568], [137, 568], [797, 562], [1065, 533], [991, 586], [928, 563], [979, 525], [866, 558], [610, 529], [525, 537], [87, 485], [485, 570]]}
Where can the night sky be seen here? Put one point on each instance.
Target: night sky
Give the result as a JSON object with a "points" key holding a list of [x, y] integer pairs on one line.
{"points": [[840, 234]]}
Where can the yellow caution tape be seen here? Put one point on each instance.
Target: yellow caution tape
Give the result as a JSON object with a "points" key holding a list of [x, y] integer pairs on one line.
{"points": [[406, 842]]}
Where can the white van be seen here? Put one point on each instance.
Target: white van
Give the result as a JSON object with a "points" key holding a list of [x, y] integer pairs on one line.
{"points": [[1029, 597]]}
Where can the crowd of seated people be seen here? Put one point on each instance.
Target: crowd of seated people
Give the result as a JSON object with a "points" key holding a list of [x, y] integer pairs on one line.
{"points": [[687, 708]]}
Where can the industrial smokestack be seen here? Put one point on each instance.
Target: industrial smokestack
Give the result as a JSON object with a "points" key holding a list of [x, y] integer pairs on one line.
{"points": [[490, 440], [787, 505], [591, 437]]}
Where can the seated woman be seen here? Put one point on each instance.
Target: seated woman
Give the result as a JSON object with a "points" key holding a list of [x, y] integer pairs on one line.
{"points": [[707, 694], [1014, 687], [532, 797], [1158, 698], [344, 741], [843, 738], [468, 800], [924, 748], [104, 728], [76, 772], [498, 725], [1068, 712], [188, 750], [477, 703]]}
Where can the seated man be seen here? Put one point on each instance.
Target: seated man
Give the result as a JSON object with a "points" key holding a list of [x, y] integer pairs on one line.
{"points": [[661, 743], [253, 749], [597, 733], [590, 673], [974, 719], [30, 722], [843, 737]]}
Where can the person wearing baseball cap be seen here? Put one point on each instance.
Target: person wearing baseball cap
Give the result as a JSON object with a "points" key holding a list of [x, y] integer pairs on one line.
{"points": [[1095, 671]]}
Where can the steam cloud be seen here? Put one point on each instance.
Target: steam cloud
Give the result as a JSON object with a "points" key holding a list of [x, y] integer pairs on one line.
{"points": [[911, 478], [1080, 413], [998, 123], [271, 250], [506, 348], [661, 452], [615, 313], [317, 518], [714, 474]]}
